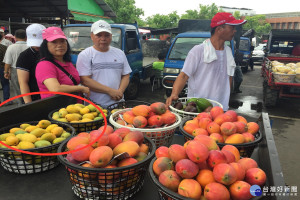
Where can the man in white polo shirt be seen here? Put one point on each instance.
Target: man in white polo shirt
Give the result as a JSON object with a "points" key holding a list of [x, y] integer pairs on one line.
{"points": [[209, 67], [103, 68], [10, 60]]}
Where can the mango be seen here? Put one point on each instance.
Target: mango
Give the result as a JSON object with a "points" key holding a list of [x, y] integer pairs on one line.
{"points": [[44, 123], [48, 136], [57, 140], [88, 115], [50, 127], [80, 105], [12, 140], [92, 108], [65, 135], [30, 128], [23, 126], [20, 132], [86, 120], [42, 143], [38, 132], [84, 110], [25, 145], [62, 112], [55, 115], [13, 130], [5, 135], [57, 131], [72, 109], [131, 147], [62, 120], [29, 137]]}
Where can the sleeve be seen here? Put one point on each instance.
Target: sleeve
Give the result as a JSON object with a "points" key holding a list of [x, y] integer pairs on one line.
{"points": [[83, 64], [230, 62], [127, 68], [45, 70], [22, 62], [8, 56], [191, 62]]}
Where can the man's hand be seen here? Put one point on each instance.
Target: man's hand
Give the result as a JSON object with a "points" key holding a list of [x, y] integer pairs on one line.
{"points": [[170, 99], [115, 94], [7, 75]]}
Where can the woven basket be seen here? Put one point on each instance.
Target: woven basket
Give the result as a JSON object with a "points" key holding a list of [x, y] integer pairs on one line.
{"points": [[183, 114], [21, 163], [107, 183], [160, 136], [284, 78]]}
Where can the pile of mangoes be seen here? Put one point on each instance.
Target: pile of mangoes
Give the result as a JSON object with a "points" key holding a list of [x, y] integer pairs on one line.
{"points": [[76, 113], [28, 136]]}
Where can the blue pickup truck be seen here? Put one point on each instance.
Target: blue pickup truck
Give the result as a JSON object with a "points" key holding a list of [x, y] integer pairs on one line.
{"points": [[124, 37], [177, 53], [246, 48]]}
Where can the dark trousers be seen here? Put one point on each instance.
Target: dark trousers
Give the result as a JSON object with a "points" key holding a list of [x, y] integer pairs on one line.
{"points": [[5, 85], [238, 78]]}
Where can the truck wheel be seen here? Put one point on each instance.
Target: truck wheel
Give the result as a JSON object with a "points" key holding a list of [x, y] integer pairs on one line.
{"points": [[270, 96], [133, 89]]}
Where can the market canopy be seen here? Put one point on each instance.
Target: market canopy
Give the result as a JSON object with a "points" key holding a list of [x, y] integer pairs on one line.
{"points": [[43, 10]]}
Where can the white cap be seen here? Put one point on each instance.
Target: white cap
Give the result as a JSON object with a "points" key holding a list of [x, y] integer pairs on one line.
{"points": [[100, 26], [34, 35]]}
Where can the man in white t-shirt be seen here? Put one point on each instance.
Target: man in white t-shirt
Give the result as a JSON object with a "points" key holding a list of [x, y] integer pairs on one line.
{"points": [[103, 68], [10, 60], [209, 67]]}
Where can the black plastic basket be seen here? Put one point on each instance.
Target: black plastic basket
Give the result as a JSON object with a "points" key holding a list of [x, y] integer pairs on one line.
{"points": [[167, 194], [164, 193], [126, 104], [245, 149], [82, 126], [22, 163], [107, 183]]}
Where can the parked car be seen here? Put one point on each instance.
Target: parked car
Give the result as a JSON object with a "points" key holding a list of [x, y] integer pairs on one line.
{"points": [[258, 53]]}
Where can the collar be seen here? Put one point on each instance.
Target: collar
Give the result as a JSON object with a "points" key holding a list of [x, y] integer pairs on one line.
{"points": [[20, 42]]}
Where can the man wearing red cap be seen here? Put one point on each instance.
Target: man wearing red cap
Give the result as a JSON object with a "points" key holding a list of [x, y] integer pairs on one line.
{"points": [[209, 67]]}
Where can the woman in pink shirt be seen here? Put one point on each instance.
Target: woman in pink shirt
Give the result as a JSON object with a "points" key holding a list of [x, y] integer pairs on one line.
{"points": [[55, 72]]}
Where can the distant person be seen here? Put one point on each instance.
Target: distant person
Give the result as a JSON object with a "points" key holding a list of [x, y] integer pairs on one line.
{"points": [[4, 81], [10, 60], [3, 40], [168, 41], [209, 67], [55, 72], [28, 60], [296, 50], [10, 37], [103, 68], [158, 66]]}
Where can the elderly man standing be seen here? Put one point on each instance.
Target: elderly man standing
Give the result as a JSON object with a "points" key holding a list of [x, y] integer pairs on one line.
{"points": [[103, 68], [209, 67], [10, 60]]}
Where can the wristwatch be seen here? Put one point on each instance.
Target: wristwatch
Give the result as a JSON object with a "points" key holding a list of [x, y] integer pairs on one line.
{"points": [[6, 72]]}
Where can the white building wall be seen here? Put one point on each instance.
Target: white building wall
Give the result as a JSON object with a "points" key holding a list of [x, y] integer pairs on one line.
{"points": [[243, 11]]}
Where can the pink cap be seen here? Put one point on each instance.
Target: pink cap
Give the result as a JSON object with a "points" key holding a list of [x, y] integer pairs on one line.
{"points": [[53, 33], [225, 18]]}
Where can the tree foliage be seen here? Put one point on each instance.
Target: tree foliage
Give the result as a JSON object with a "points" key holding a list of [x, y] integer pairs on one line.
{"points": [[259, 24], [163, 21], [125, 10], [204, 12]]}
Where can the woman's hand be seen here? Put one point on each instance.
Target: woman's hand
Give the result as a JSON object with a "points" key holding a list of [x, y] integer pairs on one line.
{"points": [[85, 90]]}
